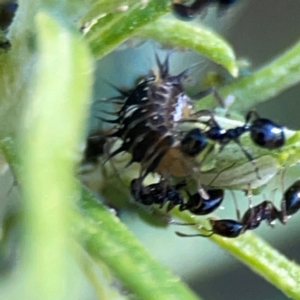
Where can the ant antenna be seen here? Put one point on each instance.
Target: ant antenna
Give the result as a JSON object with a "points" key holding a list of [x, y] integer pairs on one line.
{"points": [[215, 178], [193, 235], [237, 209], [172, 222]]}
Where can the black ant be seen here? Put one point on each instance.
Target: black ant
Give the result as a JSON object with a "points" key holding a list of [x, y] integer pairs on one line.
{"points": [[7, 12], [265, 211], [161, 193], [5, 45], [188, 12], [263, 132], [95, 146]]}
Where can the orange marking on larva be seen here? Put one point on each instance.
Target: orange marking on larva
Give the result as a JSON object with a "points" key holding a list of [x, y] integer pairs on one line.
{"points": [[175, 163]]}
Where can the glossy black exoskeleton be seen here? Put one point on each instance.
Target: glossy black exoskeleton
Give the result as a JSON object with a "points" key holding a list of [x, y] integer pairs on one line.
{"points": [[95, 146], [161, 193], [266, 133], [199, 206], [226, 228], [5, 45], [7, 13], [252, 218], [188, 12], [193, 142], [156, 193], [291, 199], [263, 132]]}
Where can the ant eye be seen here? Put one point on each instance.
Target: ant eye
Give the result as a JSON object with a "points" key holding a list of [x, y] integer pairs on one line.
{"points": [[267, 134]]}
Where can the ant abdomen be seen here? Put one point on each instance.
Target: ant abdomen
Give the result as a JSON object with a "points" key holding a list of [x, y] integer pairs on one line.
{"points": [[267, 134], [227, 228], [291, 198], [200, 206]]}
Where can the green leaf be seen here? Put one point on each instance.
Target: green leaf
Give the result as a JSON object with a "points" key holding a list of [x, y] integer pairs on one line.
{"points": [[272, 79], [105, 36], [180, 34]]}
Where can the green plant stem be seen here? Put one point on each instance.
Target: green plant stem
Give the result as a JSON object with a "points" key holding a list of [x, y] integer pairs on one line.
{"points": [[272, 79], [101, 7], [54, 127], [106, 238], [104, 38], [180, 34], [260, 257]]}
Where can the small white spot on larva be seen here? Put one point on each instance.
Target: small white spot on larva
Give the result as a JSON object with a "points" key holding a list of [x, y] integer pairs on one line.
{"points": [[127, 140], [144, 110]]}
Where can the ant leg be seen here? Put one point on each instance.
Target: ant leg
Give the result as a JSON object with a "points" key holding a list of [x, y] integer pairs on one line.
{"points": [[218, 97], [201, 190], [250, 195], [226, 228], [191, 235], [237, 209], [213, 90], [172, 222], [250, 203], [250, 158], [207, 112], [204, 113], [249, 116], [204, 93], [216, 177], [284, 216]]}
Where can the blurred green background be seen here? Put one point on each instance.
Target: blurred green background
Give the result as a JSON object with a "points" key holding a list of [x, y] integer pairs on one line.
{"points": [[258, 31]]}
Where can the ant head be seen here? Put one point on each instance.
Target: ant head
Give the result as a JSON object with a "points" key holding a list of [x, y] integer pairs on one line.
{"points": [[183, 12], [204, 207], [267, 134], [227, 228], [193, 142], [226, 2]]}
